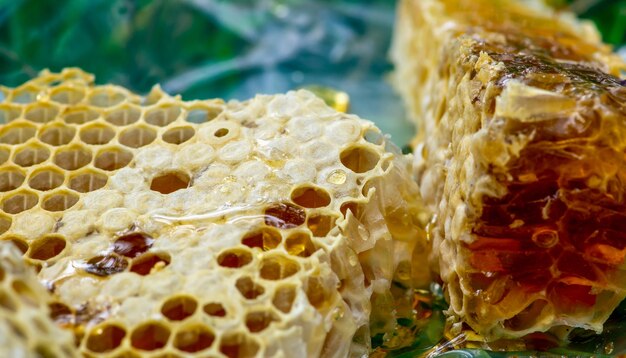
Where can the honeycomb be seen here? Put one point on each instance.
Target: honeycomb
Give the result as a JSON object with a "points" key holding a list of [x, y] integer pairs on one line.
{"points": [[521, 160], [26, 329], [203, 228]]}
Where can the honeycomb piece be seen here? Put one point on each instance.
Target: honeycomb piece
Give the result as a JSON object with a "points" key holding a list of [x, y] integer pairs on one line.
{"points": [[520, 158], [26, 329], [172, 228]]}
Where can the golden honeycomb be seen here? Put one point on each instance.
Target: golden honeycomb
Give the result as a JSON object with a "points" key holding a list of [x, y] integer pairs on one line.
{"points": [[521, 160], [26, 329], [162, 227]]}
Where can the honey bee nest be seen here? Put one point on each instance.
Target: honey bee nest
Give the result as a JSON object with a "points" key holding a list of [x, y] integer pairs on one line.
{"points": [[25, 326], [240, 229]]}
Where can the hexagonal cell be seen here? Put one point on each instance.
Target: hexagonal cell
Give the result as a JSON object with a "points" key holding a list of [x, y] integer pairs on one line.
{"points": [[72, 158], [67, 94], [80, 115], [167, 183], [5, 223], [284, 297], [299, 244], [178, 135], [238, 345], [105, 265], [113, 158], [214, 309], [10, 179], [179, 307], [202, 114], [31, 155], [57, 135], [41, 112], [25, 293], [105, 338], [20, 201], [320, 224], [248, 288], [234, 258], [27, 94], [124, 115], [97, 134], [284, 216], [144, 264], [59, 201], [9, 113], [278, 267], [47, 247], [46, 179], [193, 338], [162, 115], [310, 196], [359, 158], [5, 153], [150, 336], [265, 238], [18, 242], [259, 320], [132, 244], [88, 181], [17, 133], [106, 97], [137, 136], [315, 292], [61, 314]]}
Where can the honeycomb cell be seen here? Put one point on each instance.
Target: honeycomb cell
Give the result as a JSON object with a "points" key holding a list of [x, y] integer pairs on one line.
{"points": [[46, 179], [61, 314], [9, 113], [5, 223], [150, 336], [113, 158], [320, 224], [179, 307], [265, 238], [310, 196], [59, 201], [528, 317], [316, 292], [41, 112], [137, 137], [97, 134], [248, 288], [19, 202], [170, 182], [106, 97], [10, 179], [5, 153], [284, 297], [178, 135], [234, 258], [67, 95], [72, 158], [163, 115], [80, 115], [359, 159], [25, 293], [238, 345], [88, 181], [299, 244], [47, 247], [123, 115], [214, 309], [57, 135], [202, 114], [193, 338], [259, 320], [105, 338], [221, 132], [278, 267], [17, 133], [284, 216], [350, 206], [18, 242], [31, 155], [132, 244], [144, 264], [105, 265]]}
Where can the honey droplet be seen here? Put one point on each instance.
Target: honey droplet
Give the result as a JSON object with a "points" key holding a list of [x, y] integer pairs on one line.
{"points": [[132, 245], [106, 265], [337, 177]]}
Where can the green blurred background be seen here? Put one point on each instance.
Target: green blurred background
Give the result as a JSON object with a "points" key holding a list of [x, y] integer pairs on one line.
{"points": [[229, 49]]}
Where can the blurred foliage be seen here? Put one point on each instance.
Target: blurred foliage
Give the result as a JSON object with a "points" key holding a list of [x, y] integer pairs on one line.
{"points": [[608, 15]]}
